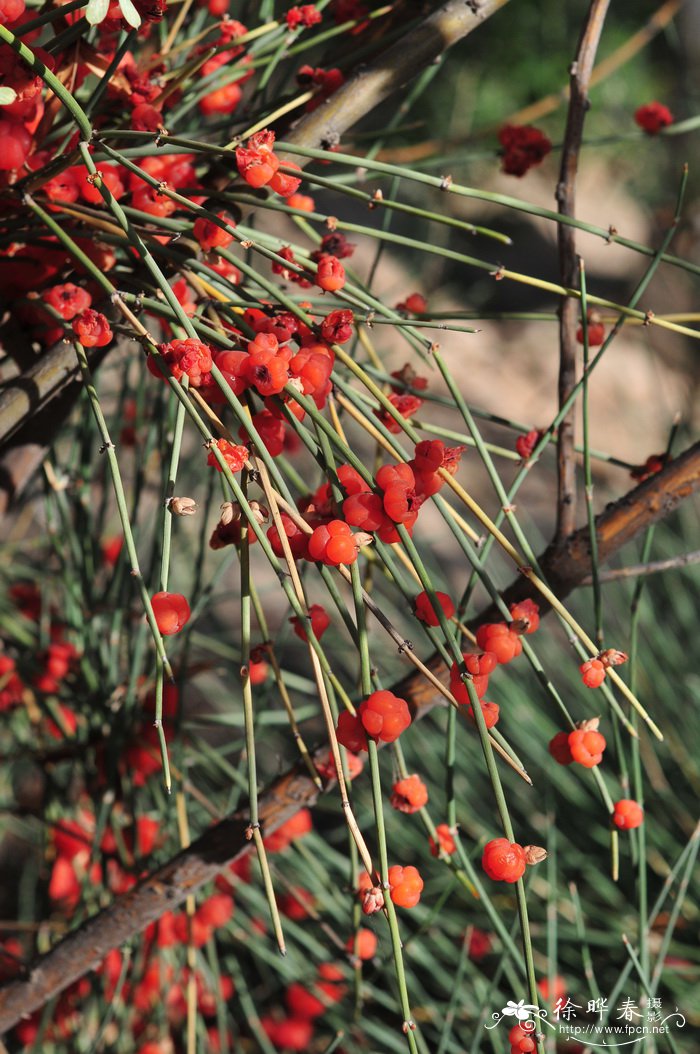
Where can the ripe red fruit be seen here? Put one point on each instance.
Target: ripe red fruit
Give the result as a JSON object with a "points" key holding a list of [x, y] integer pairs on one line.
{"points": [[652, 117], [320, 621], [292, 1033], [256, 162], [92, 329], [526, 617], [414, 304], [210, 235], [498, 637], [491, 713], [525, 444], [351, 732], [68, 300], [190, 358], [587, 747], [523, 148], [234, 456], [445, 842], [504, 861], [384, 716], [409, 794], [364, 947], [559, 748], [15, 144], [333, 544], [405, 886], [295, 827], [284, 183], [628, 814], [595, 329], [11, 10], [592, 673], [337, 327], [426, 613], [171, 612], [330, 274], [298, 540], [479, 666]]}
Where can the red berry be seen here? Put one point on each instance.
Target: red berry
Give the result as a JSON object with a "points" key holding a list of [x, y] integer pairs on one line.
{"points": [[337, 327], [384, 716], [592, 673], [445, 842], [171, 612], [351, 733], [587, 747], [234, 456], [652, 117], [426, 613], [490, 711], [526, 616], [210, 235], [364, 946], [405, 886], [68, 300], [523, 148], [330, 274], [92, 329], [320, 621], [628, 814], [409, 794], [504, 861], [559, 748], [497, 637], [333, 543]]}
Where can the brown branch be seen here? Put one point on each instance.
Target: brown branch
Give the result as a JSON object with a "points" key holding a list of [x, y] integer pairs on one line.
{"points": [[581, 70], [654, 567], [82, 950]]}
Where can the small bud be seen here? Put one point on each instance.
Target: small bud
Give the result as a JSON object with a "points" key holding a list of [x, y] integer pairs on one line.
{"points": [[362, 538], [612, 657], [372, 900], [534, 854], [591, 725], [230, 511], [182, 506], [259, 511]]}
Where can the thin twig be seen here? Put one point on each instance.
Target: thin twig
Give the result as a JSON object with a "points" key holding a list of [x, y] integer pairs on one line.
{"points": [[581, 70]]}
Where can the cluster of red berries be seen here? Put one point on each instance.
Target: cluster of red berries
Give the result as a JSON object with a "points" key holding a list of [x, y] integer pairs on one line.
{"points": [[305, 16], [585, 745], [72, 303], [326, 82], [522, 1039], [382, 716], [400, 490], [295, 1030], [499, 643]]}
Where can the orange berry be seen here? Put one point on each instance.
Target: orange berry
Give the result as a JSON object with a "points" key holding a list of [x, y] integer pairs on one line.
{"points": [[628, 814]]}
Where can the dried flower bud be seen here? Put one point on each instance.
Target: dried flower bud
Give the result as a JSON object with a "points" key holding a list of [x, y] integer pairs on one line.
{"points": [[534, 854], [591, 725], [230, 512], [182, 506], [297, 384], [612, 657], [259, 511], [372, 900], [362, 538]]}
